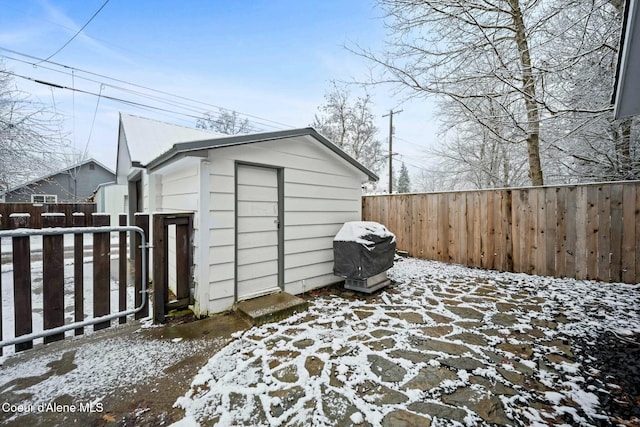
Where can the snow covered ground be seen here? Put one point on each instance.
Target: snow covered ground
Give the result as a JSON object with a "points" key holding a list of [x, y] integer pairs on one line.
{"points": [[447, 345]]}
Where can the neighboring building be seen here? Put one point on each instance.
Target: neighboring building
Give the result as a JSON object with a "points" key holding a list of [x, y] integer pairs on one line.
{"points": [[626, 92], [75, 184], [266, 206], [112, 198]]}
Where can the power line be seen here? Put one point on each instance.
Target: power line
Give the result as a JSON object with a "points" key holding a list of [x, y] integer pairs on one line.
{"points": [[86, 92], [78, 32], [260, 120]]}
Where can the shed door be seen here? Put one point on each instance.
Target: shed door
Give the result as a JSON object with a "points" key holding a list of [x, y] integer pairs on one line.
{"points": [[257, 228]]}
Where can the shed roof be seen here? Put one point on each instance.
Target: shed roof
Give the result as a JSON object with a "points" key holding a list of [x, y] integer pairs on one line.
{"points": [[183, 148], [146, 138]]}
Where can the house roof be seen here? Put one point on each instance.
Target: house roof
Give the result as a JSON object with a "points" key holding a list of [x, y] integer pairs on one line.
{"points": [[627, 84], [68, 168], [147, 138], [180, 149]]}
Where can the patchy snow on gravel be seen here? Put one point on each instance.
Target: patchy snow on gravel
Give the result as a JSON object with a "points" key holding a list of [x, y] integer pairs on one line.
{"points": [[450, 344]]}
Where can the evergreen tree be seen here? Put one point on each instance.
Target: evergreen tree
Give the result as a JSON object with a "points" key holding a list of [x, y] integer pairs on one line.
{"points": [[404, 184]]}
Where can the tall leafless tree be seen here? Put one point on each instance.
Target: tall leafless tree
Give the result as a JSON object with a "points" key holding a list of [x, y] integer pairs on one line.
{"points": [[509, 73], [349, 123], [31, 141], [224, 121]]}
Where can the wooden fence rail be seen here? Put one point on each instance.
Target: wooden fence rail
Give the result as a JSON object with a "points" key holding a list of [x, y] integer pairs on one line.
{"points": [[53, 273], [589, 231], [35, 211]]}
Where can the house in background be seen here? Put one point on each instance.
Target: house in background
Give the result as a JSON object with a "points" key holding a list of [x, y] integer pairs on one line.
{"points": [[74, 184], [265, 206]]}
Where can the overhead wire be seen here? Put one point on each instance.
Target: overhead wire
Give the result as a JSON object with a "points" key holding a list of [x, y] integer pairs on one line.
{"points": [[257, 119], [86, 92], [93, 122], [77, 32]]}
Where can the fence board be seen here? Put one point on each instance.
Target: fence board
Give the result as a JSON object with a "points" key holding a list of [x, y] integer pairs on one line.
{"points": [[122, 268], [416, 216], [525, 228], [53, 277], [508, 231], [571, 228], [630, 215], [604, 232], [551, 236], [561, 231], [477, 237], [516, 237], [531, 232], [582, 231], [615, 269], [592, 233], [78, 220], [442, 235], [582, 209], [21, 281], [101, 271], [487, 228], [405, 220]]}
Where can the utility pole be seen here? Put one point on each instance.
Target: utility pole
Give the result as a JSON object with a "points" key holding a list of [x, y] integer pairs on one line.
{"points": [[391, 113]]}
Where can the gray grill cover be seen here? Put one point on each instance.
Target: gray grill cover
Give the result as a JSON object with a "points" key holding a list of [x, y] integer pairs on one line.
{"points": [[362, 249]]}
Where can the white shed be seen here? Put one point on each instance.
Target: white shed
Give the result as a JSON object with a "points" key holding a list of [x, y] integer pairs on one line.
{"points": [[266, 206]]}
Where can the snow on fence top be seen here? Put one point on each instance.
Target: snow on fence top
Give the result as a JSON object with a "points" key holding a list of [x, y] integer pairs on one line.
{"points": [[357, 231]]}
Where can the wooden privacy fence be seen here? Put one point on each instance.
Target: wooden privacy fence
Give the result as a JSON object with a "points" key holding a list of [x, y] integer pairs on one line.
{"points": [[53, 254], [35, 211], [589, 231]]}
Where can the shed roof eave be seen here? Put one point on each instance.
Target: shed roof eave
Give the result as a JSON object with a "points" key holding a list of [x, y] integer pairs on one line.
{"points": [[185, 147]]}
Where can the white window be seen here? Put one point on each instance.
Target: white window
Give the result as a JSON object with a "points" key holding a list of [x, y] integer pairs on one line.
{"points": [[44, 198]]}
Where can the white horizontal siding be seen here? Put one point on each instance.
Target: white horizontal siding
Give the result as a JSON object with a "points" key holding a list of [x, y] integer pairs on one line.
{"points": [[311, 204], [221, 254], [311, 283], [321, 192], [221, 272], [305, 258], [257, 254], [310, 231], [296, 189], [310, 244], [296, 274], [316, 218]]}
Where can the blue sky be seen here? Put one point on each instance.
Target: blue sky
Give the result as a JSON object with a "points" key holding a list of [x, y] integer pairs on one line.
{"points": [[270, 59]]}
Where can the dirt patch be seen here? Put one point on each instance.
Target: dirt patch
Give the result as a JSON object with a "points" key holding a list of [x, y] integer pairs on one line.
{"points": [[117, 400]]}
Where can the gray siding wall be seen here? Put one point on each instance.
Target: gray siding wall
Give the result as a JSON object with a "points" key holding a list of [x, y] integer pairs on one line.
{"points": [[70, 186]]}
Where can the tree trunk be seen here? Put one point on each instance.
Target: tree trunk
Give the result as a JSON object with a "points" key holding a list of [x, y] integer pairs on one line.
{"points": [[529, 95]]}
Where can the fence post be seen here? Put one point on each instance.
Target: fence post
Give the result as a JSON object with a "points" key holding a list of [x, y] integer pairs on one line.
{"points": [[53, 276], [122, 268], [142, 221], [79, 220], [160, 250], [22, 280], [101, 271]]}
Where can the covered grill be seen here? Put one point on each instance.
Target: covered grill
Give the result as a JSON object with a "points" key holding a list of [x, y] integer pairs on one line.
{"points": [[363, 251]]}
